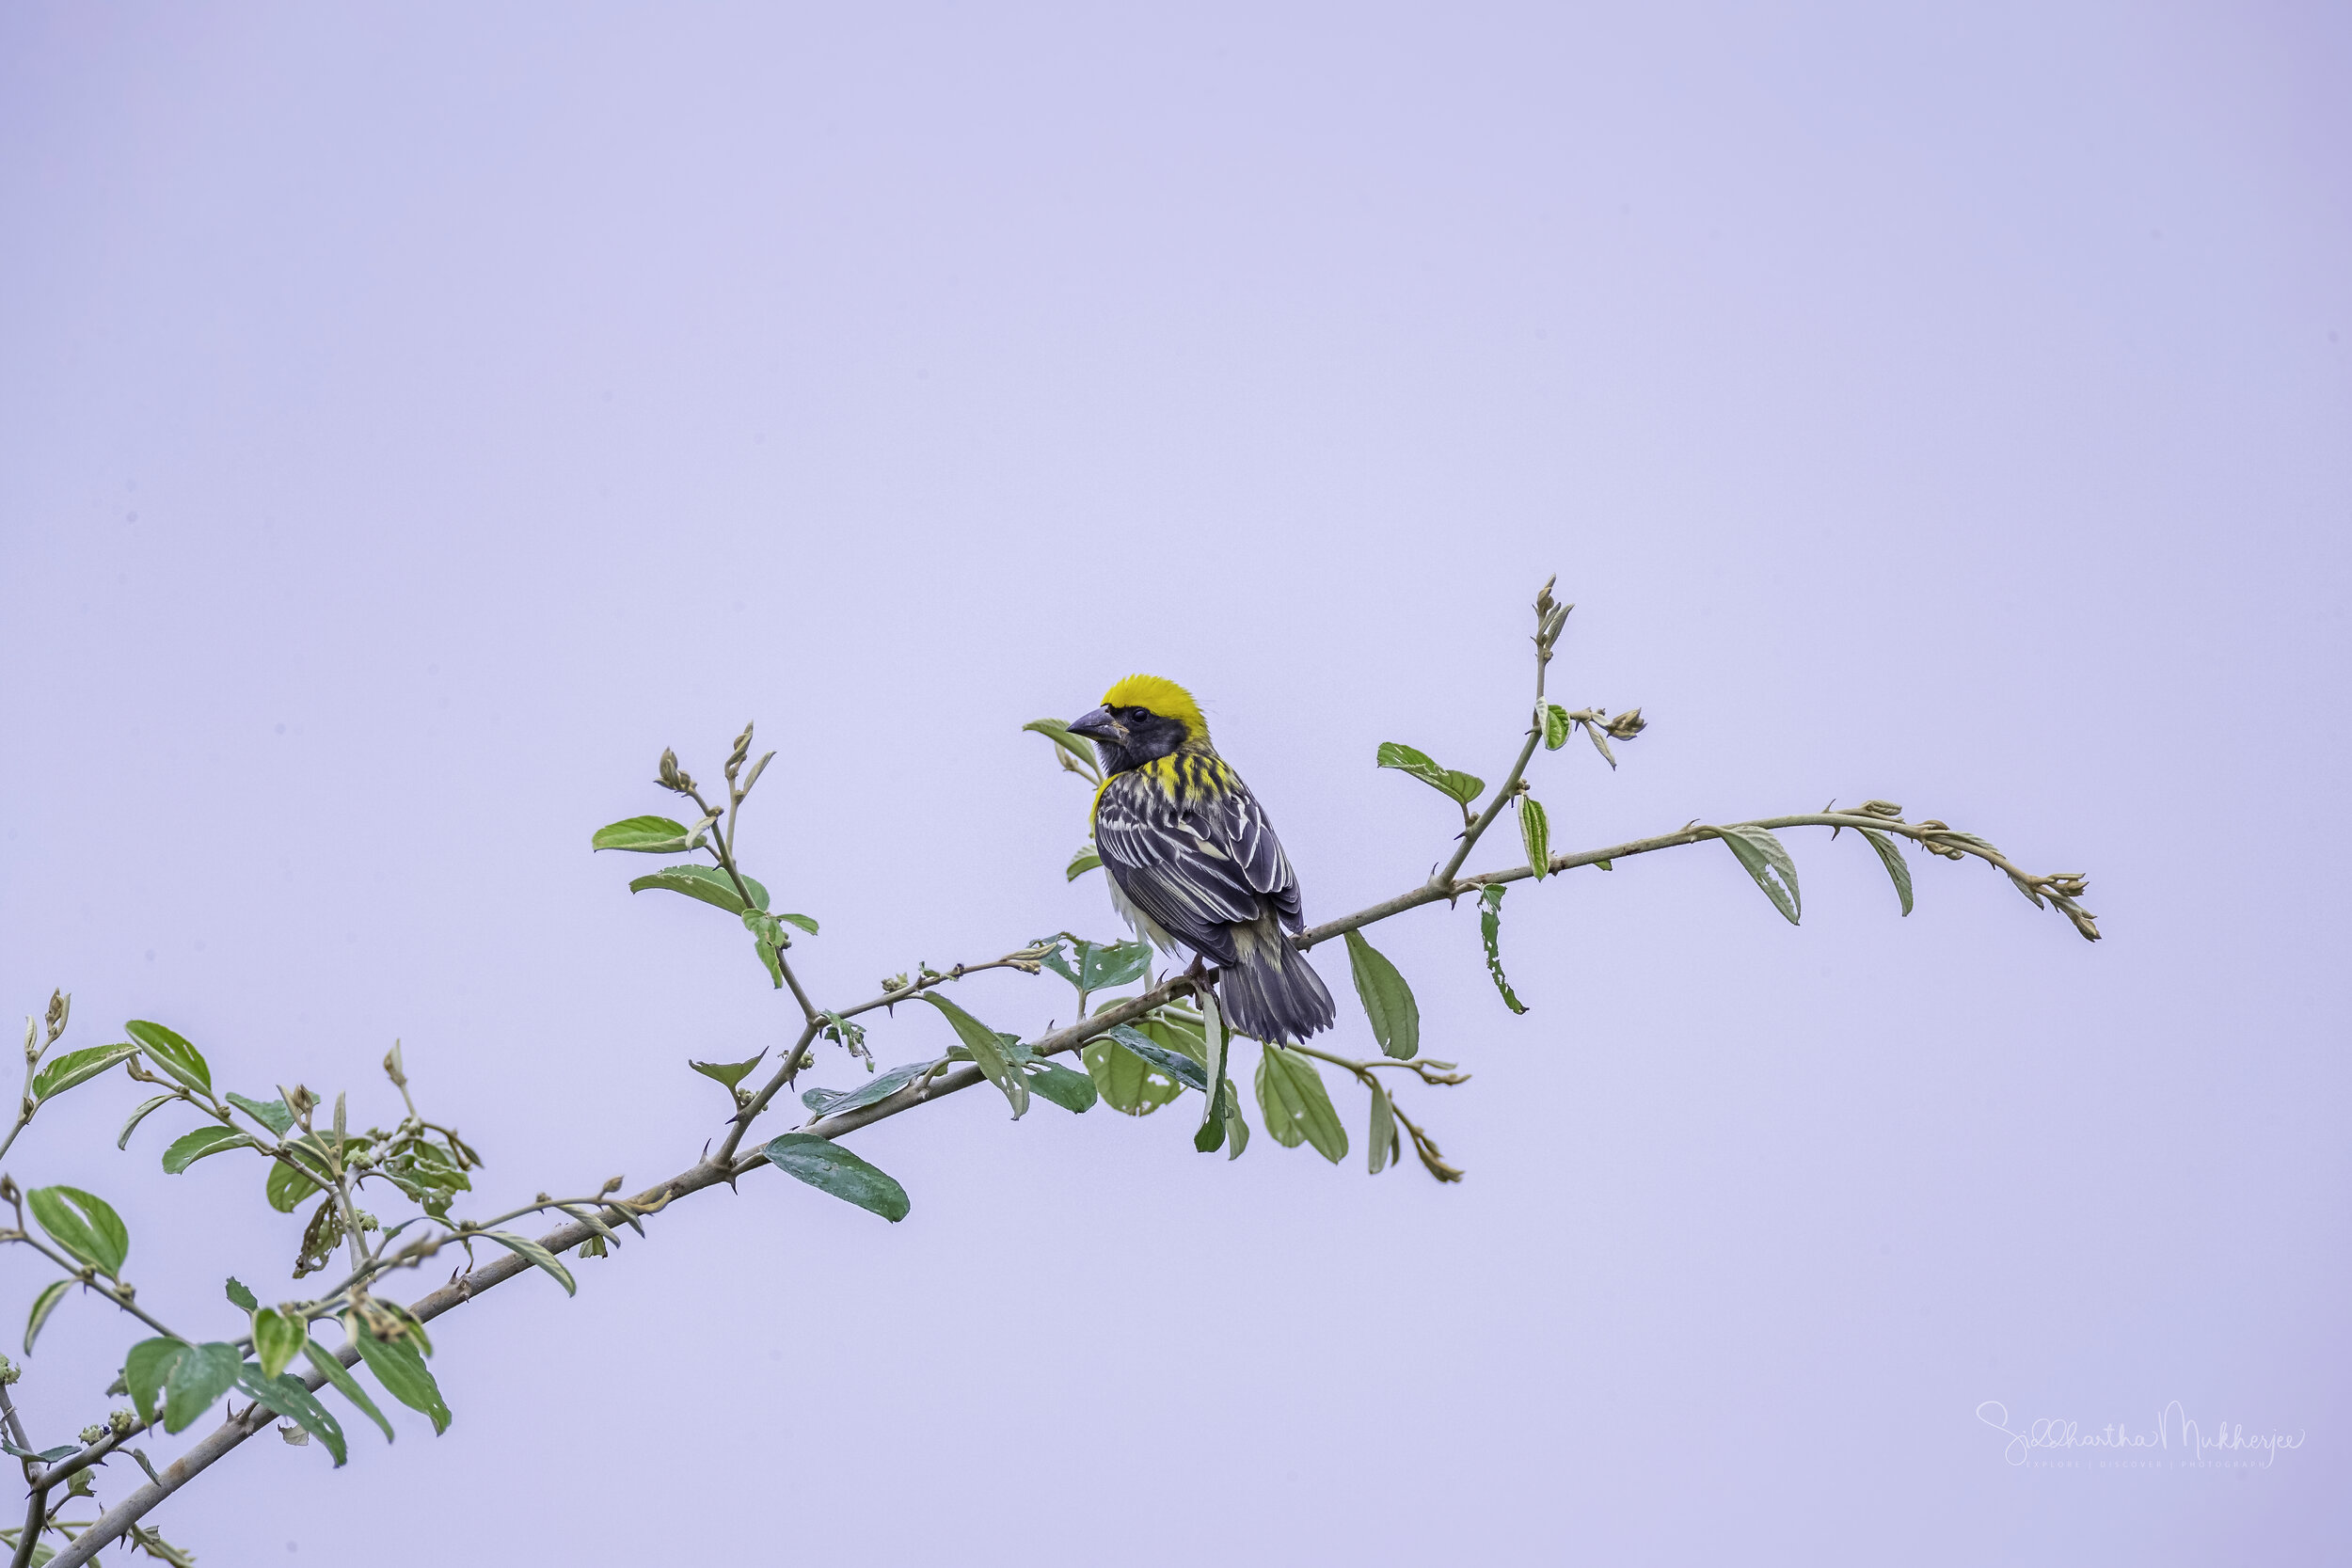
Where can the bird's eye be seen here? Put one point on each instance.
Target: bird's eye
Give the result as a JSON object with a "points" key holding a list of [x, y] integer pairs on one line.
{"points": [[1136, 715]]}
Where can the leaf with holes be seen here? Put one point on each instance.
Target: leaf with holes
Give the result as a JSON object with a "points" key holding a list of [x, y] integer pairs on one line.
{"points": [[62, 1074], [708, 883], [1490, 931], [83, 1224], [175, 1056], [1764, 859], [1071, 1091], [1460, 786]]}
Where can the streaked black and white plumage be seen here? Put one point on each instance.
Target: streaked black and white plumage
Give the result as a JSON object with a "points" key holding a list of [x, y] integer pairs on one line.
{"points": [[1193, 861]]}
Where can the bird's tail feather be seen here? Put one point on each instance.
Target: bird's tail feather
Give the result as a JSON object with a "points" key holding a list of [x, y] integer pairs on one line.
{"points": [[1271, 993]]}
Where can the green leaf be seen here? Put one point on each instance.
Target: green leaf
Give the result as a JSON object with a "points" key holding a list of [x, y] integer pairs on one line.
{"points": [[401, 1369], [729, 1073], [62, 1074], [140, 1115], [1237, 1126], [705, 882], [1535, 833], [43, 1305], [1077, 746], [331, 1367], [189, 1147], [172, 1053], [1100, 968], [287, 1187], [1128, 1082], [531, 1252], [1891, 858], [1556, 729], [239, 1295], [1298, 1108], [1445, 781], [1213, 1044], [82, 1224], [831, 1168], [1080, 863], [276, 1337], [1071, 1091], [805, 922], [196, 1380], [1388, 1000], [646, 835], [826, 1102], [1189, 1074], [289, 1397], [271, 1114], [987, 1050], [1769, 865], [146, 1366], [1490, 930], [769, 955], [1380, 1139]]}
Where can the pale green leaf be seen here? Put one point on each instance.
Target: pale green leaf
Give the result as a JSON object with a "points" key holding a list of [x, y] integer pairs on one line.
{"points": [[729, 1073], [1297, 1107], [1556, 726], [189, 1147], [172, 1053], [1388, 1000], [196, 1380], [1080, 863], [84, 1225], [60, 1073], [140, 1115], [1891, 857], [1380, 1146], [1535, 833], [531, 1252], [1071, 1091], [708, 884], [271, 1114], [146, 1366], [1461, 787], [987, 1050], [43, 1305], [645, 835], [276, 1339], [1766, 861]]}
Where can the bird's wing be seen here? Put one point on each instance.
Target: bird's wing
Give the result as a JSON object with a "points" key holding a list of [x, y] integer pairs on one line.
{"points": [[1170, 857], [1244, 834]]}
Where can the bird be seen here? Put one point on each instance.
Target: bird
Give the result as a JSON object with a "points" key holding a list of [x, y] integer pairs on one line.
{"points": [[1193, 859]]}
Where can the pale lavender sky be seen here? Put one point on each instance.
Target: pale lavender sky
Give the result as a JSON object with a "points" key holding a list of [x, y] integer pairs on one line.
{"points": [[412, 418]]}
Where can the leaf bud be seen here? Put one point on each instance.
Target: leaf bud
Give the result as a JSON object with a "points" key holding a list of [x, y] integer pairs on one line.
{"points": [[2070, 885], [61, 1006], [32, 1040], [90, 1434], [9, 1371], [7, 1195], [1887, 809], [120, 1422], [612, 1184], [393, 1069], [1626, 726], [669, 777]]}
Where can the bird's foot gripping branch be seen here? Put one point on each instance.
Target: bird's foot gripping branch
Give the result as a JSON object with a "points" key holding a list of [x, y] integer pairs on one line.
{"points": [[366, 1203]]}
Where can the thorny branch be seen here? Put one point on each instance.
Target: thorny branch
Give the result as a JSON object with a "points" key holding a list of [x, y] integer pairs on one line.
{"points": [[596, 1218]]}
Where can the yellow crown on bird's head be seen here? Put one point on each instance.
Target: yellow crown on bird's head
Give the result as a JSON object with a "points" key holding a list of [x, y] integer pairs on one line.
{"points": [[1162, 696]]}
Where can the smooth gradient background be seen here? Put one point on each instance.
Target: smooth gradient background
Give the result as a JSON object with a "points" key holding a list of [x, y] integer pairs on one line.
{"points": [[413, 418]]}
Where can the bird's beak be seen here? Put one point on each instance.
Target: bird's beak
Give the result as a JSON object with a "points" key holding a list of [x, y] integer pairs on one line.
{"points": [[1100, 725]]}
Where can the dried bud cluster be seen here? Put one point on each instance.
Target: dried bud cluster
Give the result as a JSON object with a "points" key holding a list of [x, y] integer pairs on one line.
{"points": [[671, 777]]}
